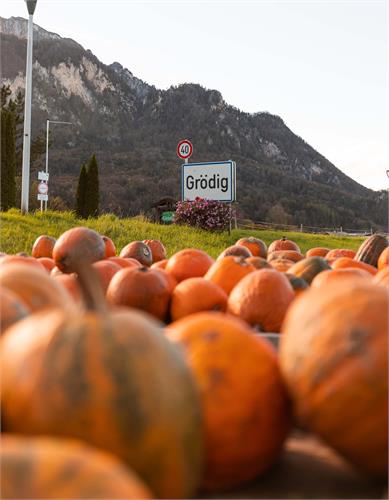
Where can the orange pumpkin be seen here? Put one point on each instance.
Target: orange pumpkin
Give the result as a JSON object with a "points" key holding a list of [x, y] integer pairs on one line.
{"points": [[338, 275], [35, 287], [283, 244], [158, 251], [227, 272], [334, 359], [47, 263], [336, 253], [256, 246], [110, 249], [43, 247], [139, 251], [245, 409], [72, 286], [285, 254], [195, 295], [189, 263], [281, 265], [236, 251], [64, 468], [106, 270], [347, 262], [382, 277], [142, 288], [258, 262], [79, 244], [12, 308], [161, 264], [383, 259], [317, 252], [262, 298], [125, 262], [109, 379], [18, 259]]}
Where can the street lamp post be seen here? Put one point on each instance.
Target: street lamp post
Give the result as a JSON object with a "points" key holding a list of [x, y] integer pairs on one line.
{"points": [[47, 144], [31, 4]]}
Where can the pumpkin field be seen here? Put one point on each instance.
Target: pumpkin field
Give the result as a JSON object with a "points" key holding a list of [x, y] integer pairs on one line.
{"points": [[142, 361]]}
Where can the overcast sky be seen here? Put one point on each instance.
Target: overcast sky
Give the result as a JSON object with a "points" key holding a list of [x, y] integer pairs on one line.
{"points": [[320, 65]]}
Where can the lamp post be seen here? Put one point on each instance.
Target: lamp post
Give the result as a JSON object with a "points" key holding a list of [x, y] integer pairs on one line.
{"points": [[31, 4], [47, 144]]}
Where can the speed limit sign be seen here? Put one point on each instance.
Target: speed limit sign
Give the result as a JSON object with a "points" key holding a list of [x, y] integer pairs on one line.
{"points": [[184, 149]]}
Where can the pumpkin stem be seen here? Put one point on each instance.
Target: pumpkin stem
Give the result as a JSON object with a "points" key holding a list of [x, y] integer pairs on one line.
{"points": [[91, 288]]}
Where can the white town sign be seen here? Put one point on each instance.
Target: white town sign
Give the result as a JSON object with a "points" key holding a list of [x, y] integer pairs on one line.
{"points": [[213, 181]]}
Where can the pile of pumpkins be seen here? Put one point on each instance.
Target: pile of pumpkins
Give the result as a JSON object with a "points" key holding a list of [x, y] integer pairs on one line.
{"points": [[142, 376]]}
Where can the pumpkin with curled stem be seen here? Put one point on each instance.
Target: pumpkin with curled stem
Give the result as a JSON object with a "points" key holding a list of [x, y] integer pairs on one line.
{"points": [[283, 244], [110, 379]]}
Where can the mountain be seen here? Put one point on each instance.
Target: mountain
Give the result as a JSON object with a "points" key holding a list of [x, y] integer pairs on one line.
{"points": [[133, 128]]}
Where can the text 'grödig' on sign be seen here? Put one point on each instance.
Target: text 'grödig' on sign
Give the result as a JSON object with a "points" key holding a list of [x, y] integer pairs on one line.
{"points": [[213, 181]]}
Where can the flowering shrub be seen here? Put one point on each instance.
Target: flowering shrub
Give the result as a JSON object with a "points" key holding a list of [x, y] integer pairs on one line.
{"points": [[207, 214]]}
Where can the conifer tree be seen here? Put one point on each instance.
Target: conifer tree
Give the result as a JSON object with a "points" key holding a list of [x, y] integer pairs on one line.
{"points": [[92, 188], [81, 193], [8, 160]]}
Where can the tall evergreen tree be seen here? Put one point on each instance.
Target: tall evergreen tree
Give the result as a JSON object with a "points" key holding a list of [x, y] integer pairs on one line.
{"points": [[81, 194], [92, 188], [8, 160]]}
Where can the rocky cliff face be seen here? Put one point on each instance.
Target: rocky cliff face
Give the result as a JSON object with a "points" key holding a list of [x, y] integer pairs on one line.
{"points": [[134, 127]]}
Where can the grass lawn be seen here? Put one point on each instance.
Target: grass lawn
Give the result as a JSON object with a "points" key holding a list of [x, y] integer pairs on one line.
{"points": [[18, 233]]}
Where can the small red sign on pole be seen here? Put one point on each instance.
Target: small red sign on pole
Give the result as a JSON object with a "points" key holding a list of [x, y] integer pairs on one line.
{"points": [[184, 149]]}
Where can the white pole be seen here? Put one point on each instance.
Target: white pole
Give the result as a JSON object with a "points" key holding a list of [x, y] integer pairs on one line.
{"points": [[47, 151], [27, 121]]}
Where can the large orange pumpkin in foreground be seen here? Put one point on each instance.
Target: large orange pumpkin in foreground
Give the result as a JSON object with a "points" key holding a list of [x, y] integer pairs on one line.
{"points": [[189, 263], [110, 379], [334, 359], [62, 468], [262, 298], [244, 404]]}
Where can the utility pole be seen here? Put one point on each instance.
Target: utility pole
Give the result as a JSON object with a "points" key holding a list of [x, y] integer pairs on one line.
{"points": [[31, 4]]}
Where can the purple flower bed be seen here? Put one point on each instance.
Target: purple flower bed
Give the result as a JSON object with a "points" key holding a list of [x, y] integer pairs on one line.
{"points": [[206, 214]]}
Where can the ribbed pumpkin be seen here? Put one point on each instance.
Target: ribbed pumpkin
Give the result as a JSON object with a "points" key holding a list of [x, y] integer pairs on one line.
{"points": [[245, 408], [36, 288], [52, 468], [43, 246], [335, 253], [112, 380], [282, 265], [371, 249], [309, 267], [283, 244], [334, 359], [12, 308], [258, 262], [256, 246]]}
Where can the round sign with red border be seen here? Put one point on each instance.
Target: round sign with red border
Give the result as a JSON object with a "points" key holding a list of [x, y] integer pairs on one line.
{"points": [[184, 149], [43, 188]]}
